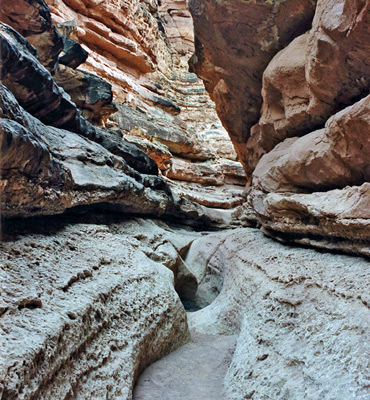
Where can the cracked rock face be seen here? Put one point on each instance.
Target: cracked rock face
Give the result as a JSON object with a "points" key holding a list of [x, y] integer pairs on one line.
{"points": [[48, 169], [163, 104]]}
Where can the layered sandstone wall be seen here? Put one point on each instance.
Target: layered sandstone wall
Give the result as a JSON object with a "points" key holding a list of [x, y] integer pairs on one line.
{"points": [[142, 49]]}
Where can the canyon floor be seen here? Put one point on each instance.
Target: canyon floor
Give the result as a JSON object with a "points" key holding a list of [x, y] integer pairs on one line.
{"points": [[195, 371], [185, 196], [90, 301]]}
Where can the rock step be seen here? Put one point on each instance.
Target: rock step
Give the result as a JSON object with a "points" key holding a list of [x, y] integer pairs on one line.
{"points": [[194, 371]]}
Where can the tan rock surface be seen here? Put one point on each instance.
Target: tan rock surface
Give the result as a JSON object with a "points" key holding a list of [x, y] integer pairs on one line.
{"points": [[232, 69], [333, 157], [335, 220], [318, 74], [196, 172], [178, 24], [225, 196]]}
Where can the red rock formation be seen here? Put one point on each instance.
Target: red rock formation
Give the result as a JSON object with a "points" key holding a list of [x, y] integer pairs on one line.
{"points": [[315, 76], [306, 141], [234, 43], [333, 157]]}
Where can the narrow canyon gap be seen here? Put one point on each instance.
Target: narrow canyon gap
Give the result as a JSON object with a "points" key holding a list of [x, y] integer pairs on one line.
{"points": [[184, 199]]}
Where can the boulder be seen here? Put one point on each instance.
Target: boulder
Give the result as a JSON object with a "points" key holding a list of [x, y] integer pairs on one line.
{"points": [[318, 74], [73, 54], [178, 141], [333, 157], [92, 95]]}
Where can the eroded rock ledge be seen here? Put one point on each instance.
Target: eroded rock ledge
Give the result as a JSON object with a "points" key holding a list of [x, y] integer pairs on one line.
{"points": [[83, 310], [294, 97]]}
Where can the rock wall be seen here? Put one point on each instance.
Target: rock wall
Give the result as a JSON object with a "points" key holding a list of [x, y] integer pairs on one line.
{"points": [[50, 106], [293, 96], [162, 108], [90, 298], [83, 310], [301, 316]]}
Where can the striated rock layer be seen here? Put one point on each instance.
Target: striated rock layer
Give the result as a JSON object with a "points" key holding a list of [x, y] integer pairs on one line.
{"points": [[54, 158], [142, 52], [83, 310]]}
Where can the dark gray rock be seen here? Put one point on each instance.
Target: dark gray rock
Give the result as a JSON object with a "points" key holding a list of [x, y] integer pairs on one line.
{"points": [[179, 141], [35, 90], [73, 54], [167, 105], [92, 95], [47, 170], [32, 19]]}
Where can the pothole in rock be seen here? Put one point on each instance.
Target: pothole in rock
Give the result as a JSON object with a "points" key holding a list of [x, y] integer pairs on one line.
{"points": [[196, 297], [203, 280], [197, 281]]}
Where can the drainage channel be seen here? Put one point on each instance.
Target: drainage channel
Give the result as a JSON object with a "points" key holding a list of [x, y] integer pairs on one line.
{"points": [[195, 371]]}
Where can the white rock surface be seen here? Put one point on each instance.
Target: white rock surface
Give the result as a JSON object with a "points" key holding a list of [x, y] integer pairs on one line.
{"points": [[83, 311], [303, 318]]}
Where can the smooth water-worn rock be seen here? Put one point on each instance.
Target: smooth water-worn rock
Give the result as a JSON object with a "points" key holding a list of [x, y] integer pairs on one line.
{"points": [[302, 317], [318, 74], [194, 371], [333, 157], [234, 42], [310, 135]]}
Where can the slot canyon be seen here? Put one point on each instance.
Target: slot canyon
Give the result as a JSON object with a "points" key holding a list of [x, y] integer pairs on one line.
{"points": [[184, 199]]}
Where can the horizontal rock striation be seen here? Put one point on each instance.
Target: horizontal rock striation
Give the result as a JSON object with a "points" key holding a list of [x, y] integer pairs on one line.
{"points": [[53, 159], [83, 310], [164, 104]]}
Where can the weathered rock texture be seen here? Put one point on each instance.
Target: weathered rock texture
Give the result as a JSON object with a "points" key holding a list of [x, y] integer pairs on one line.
{"points": [[142, 52], [83, 310], [302, 316], [318, 74], [96, 302], [307, 156], [54, 158], [235, 41]]}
